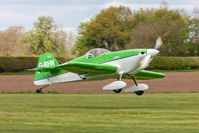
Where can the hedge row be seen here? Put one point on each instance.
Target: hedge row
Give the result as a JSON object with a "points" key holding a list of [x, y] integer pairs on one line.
{"points": [[174, 63], [16, 64]]}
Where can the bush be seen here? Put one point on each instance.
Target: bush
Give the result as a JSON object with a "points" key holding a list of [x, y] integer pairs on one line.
{"points": [[174, 63], [17, 64]]}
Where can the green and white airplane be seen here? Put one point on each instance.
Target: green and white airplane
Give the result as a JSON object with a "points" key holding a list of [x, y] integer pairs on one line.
{"points": [[100, 64]]}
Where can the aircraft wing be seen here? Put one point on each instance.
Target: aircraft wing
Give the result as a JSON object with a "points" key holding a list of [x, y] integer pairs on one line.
{"points": [[83, 68], [146, 75]]}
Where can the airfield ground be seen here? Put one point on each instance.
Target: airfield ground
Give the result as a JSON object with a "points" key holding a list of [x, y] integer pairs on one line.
{"points": [[99, 113], [173, 82], [72, 112]]}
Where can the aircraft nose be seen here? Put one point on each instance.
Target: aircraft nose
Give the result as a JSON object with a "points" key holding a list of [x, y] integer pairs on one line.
{"points": [[152, 52]]}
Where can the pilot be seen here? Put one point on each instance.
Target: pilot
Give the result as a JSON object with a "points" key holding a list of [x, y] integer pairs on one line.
{"points": [[98, 52]]}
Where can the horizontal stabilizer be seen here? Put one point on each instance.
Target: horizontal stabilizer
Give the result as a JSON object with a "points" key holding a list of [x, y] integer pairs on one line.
{"points": [[41, 69]]}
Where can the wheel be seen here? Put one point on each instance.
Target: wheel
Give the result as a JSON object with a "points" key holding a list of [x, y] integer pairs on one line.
{"points": [[38, 90], [117, 91], [139, 93]]}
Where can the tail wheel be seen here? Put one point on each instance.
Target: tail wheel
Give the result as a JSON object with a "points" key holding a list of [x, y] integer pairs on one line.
{"points": [[117, 91], [139, 93], [40, 89]]}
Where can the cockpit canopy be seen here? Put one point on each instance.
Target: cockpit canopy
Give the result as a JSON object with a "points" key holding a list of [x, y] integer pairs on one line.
{"points": [[95, 52]]}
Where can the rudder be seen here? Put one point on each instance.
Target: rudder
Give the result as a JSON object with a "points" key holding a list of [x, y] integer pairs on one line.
{"points": [[46, 60]]}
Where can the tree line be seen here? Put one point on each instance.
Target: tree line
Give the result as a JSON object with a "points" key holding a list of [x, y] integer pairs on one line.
{"points": [[45, 36], [118, 28], [115, 28]]}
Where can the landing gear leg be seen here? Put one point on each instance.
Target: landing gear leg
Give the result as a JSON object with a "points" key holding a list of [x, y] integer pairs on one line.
{"points": [[134, 80], [119, 79], [139, 93], [40, 89]]}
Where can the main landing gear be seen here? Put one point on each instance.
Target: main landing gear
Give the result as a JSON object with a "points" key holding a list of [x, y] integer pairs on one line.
{"points": [[139, 92], [40, 89], [117, 86], [138, 89], [118, 90]]}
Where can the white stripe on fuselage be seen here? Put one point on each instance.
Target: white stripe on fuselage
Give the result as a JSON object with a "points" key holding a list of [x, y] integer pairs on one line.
{"points": [[125, 65], [128, 64], [65, 77]]}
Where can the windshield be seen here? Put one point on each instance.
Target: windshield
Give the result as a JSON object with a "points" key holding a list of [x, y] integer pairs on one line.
{"points": [[96, 52]]}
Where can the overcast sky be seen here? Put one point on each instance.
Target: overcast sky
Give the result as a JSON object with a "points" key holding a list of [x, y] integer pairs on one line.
{"points": [[69, 13]]}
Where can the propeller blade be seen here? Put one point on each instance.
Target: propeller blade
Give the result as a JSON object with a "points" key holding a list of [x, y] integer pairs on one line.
{"points": [[152, 52], [159, 43], [145, 62]]}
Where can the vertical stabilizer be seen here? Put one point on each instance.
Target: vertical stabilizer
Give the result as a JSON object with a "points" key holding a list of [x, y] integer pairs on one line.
{"points": [[46, 60]]}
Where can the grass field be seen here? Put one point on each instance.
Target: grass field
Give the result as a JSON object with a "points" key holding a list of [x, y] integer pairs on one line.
{"points": [[99, 113]]}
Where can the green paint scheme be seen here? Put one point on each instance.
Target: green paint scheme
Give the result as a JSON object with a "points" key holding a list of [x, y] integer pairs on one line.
{"points": [[48, 66], [144, 75], [47, 57], [110, 56], [89, 68]]}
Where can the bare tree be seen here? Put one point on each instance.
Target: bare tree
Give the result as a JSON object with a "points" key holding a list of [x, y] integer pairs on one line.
{"points": [[11, 41]]}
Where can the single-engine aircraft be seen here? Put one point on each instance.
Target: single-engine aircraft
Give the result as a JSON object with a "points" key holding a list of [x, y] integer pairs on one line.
{"points": [[99, 64]]}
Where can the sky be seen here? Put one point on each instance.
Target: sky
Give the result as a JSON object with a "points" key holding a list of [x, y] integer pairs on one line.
{"points": [[69, 13]]}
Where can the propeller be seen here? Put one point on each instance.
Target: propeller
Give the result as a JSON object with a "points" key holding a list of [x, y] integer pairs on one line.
{"points": [[150, 54], [145, 62], [159, 43]]}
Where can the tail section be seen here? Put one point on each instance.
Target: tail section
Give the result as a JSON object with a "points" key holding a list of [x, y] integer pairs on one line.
{"points": [[46, 60]]}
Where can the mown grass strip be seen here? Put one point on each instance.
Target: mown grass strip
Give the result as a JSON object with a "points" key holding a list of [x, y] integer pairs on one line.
{"points": [[86, 113]]}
